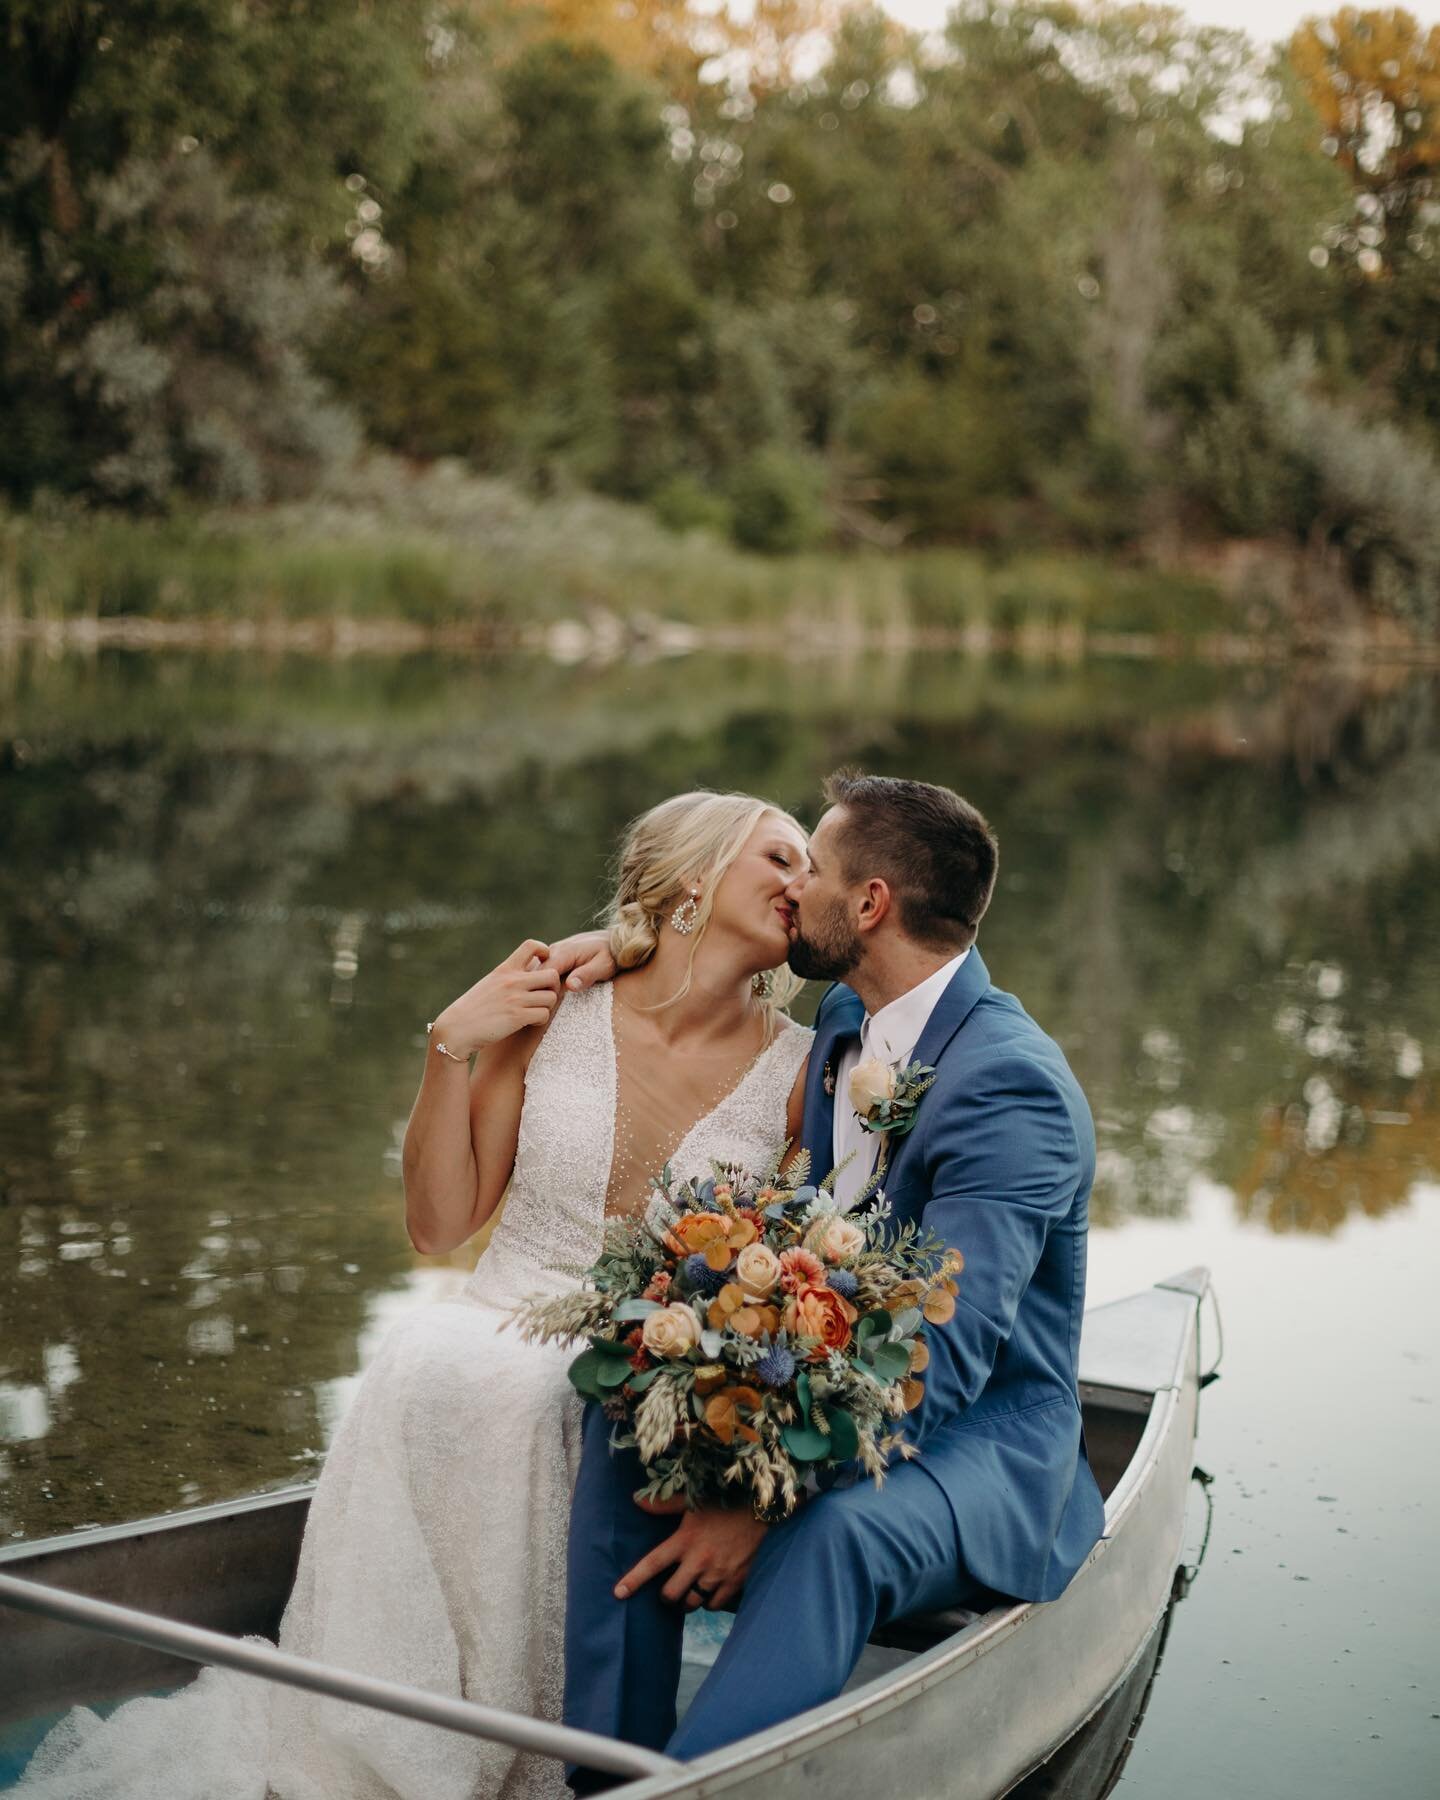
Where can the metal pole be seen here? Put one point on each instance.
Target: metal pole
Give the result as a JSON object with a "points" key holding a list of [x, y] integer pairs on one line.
{"points": [[194, 1644]]}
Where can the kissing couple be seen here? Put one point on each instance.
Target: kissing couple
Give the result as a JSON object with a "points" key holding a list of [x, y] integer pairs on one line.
{"points": [[474, 1532]]}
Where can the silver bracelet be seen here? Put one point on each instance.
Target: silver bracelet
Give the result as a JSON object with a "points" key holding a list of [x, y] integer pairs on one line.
{"points": [[430, 1026]]}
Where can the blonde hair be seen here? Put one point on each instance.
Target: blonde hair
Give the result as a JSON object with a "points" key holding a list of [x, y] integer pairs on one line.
{"points": [[690, 838]]}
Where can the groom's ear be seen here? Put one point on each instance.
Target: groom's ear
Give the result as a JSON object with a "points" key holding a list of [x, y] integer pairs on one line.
{"points": [[874, 903]]}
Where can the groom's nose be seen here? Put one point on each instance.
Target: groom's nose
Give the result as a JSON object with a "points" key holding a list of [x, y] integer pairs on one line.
{"points": [[794, 885]]}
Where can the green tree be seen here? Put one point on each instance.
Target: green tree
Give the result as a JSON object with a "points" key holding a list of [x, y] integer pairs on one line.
{"points": [[170, 177]]}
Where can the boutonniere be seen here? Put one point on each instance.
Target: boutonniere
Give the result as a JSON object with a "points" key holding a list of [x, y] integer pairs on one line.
{"points": [[886, 1096], [827, 1081]]}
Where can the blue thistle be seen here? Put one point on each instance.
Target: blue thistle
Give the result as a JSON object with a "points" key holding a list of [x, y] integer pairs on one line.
{"points": [[776, 1366], [700, 1277], [843, 1283]]}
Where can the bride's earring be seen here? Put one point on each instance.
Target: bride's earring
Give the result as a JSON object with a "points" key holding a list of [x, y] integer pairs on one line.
{"points": [[762, 984], [685, 914]]}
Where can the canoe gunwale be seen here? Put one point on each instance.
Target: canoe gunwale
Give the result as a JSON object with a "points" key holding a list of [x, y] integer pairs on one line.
{"points": [[94, 1536]]}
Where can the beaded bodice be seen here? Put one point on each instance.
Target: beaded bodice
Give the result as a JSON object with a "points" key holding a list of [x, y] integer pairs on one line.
{"points": [[554, 1219]]}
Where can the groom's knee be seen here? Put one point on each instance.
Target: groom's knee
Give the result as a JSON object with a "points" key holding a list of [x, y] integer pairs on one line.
{"points": [[826, 1545]]}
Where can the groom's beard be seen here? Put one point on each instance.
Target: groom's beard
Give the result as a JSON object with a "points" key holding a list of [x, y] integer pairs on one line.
{"points": [[832, 949]]}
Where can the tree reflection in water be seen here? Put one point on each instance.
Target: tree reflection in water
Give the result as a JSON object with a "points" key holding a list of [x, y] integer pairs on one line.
{"points": [[230, 894]]}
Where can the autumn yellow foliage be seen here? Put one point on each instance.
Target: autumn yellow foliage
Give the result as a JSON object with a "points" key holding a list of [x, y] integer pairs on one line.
{"points": [[1374, 80]]}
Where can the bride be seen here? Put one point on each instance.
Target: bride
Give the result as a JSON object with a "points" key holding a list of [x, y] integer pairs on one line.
{"points": [[435, 1549]]}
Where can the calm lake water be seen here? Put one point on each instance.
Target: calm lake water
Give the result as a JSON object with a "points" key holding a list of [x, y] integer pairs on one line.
{"points": [[232, 890]]}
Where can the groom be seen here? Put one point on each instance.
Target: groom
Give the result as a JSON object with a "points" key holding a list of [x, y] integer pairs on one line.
{"points": [[1000, 1498]]}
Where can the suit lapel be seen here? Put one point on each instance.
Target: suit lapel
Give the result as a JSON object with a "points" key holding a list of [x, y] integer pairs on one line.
{"points": [[842, 1021], [951, 1010]]}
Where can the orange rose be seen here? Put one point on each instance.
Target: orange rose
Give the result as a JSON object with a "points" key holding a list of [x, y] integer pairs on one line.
{"points": [[724, 1416], [821, 1313]]}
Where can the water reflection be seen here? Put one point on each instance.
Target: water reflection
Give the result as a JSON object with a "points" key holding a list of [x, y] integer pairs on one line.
{"points": [[230, 894]]}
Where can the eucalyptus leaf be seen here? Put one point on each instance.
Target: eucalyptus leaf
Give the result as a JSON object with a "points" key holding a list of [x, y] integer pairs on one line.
{"points": [[583, 1374], [805, 1443], [844, 1435], [909, 1322], [802, 1391], [892, 1361], [639, 1383], [630, 1310], [711, 1343], [613, 1374], [608, 1347]]}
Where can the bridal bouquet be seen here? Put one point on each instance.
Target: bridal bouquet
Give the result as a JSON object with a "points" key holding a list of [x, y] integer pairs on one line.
{"points": [[746, 1331]]}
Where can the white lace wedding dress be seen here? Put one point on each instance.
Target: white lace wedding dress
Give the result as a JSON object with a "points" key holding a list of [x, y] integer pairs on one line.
{"points": [[435, 1549]]}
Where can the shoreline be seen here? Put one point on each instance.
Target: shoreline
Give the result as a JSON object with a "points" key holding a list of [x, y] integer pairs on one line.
{"points": [[603, 636]]}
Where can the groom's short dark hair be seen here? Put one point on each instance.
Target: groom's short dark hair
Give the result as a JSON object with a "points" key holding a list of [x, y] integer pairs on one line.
{"points": [[934, 850]]}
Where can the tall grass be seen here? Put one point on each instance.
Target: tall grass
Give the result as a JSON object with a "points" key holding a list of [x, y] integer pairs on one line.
{"points": [[447, 550]]}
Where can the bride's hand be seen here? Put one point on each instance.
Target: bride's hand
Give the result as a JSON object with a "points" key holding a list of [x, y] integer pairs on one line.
{"points": [[523, 990], [583, 959]]}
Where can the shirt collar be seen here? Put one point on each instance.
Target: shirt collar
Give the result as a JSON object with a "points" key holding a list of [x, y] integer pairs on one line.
{"points": [[893, 1032]]}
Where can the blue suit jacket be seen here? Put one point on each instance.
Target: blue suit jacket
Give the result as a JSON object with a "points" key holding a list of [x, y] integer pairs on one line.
{"points": [[998, 1164]]}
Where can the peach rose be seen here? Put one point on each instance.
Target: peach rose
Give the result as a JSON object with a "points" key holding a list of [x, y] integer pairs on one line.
{"points": [[837, 1239], [871, 1083], [819, 1312], [798, 1268], [672, 1332], [757, 1269]]}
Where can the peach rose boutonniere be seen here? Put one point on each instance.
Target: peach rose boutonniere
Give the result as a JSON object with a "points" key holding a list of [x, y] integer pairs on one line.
{"points": [[885, 1096]]}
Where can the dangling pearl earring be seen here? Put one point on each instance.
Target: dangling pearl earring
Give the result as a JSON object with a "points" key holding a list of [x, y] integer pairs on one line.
{"points": [[685, 914]]}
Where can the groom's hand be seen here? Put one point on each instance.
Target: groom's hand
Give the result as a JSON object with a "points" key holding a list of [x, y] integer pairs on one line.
{"points": [[582, 960], [709, 1555]]}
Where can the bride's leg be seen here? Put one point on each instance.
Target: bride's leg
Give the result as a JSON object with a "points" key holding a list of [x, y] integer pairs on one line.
{"points": [[622, 1657]]}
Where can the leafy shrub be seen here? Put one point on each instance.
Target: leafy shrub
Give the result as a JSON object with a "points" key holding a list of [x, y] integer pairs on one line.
{"points": [[778, 497], [684, 503]]}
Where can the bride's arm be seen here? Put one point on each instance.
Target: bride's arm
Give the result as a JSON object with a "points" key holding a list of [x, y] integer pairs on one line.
{"points": [[460, 1141], [795, 1109]]}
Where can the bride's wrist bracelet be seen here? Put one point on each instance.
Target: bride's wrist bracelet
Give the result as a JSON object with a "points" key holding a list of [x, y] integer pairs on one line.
{"points": [[429, 1030]]}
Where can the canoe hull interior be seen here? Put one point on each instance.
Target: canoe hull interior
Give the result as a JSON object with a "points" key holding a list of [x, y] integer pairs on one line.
{"points": [[967, 1714]]}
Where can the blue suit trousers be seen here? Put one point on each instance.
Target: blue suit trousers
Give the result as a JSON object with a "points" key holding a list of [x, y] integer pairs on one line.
{"points": [[845, 1562]]}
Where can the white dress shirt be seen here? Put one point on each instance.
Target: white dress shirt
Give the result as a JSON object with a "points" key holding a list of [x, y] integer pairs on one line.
{"points": [[891, 1036]]}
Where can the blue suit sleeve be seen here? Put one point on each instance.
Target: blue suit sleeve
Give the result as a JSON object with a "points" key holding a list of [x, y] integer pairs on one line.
{"points": [[1003, 1165]]}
